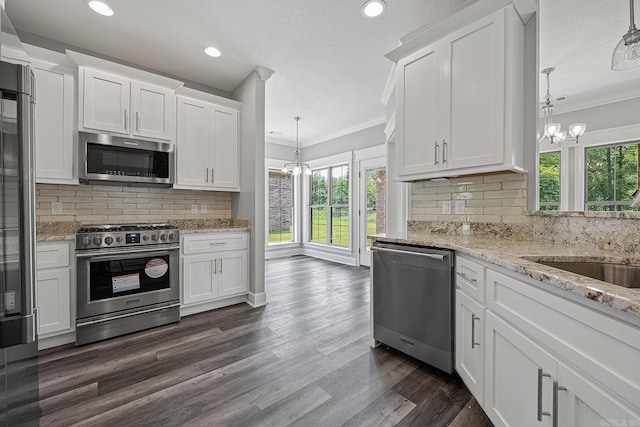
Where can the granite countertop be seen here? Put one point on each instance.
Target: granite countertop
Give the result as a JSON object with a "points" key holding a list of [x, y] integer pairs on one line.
{"points": [[48, 231], [509, 253]]}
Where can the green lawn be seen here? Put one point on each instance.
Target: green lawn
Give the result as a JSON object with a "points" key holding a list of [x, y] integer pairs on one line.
{"points": [[320, 233]]}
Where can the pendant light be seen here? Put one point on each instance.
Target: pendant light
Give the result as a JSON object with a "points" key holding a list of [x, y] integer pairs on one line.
{"points": [[626, 55], [296, 167], [552, 130]]}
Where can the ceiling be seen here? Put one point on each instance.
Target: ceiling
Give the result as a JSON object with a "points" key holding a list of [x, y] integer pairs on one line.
{"points": [[577, 37], [327, 57]]}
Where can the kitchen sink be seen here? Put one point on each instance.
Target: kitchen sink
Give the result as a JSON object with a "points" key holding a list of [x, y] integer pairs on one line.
{"points": [[618, 274]]}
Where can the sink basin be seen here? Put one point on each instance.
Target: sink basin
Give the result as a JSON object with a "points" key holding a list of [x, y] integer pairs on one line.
{"points": [[618, 274]]}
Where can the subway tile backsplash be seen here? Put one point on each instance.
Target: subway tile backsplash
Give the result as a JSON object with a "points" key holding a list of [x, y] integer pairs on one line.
{"points": [[490, 198], [95, 204]]}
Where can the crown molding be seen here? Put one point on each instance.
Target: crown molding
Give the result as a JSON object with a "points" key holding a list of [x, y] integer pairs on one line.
{"points": [[263, 72]]}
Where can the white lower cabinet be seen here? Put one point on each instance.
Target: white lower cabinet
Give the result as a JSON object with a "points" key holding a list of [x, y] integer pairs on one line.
{"points": [[533, 357], [54, 291], [214, 270], [470, 343], [519, 374], [583, 403]]}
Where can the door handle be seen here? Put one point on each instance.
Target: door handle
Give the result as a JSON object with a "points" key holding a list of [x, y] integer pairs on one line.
{"points": [[207, 172], [137, 122], [444, 151], [473, 331], [126, 119], [213, 175], [436, 152], [220, 265], [540, 376], [215, 266], [556, 387]]}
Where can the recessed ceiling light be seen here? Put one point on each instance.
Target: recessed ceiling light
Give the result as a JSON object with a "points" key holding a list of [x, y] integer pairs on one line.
{"points": [[212, 51], [100, 7], [373, 8]]}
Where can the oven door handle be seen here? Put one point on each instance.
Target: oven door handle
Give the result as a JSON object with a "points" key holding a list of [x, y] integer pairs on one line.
{"points": [[103, 256]]}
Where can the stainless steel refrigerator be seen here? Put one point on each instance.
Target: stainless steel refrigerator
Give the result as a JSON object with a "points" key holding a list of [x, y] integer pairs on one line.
{"points": [[18, 313]]}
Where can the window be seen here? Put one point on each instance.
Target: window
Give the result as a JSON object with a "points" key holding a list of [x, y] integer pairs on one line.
{"points": [[280, 208], [376, 197], [329, 205], [612, 177], [549, 168]]}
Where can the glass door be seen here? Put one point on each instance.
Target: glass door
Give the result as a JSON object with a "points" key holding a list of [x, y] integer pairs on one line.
{"points": [[372, 209]]}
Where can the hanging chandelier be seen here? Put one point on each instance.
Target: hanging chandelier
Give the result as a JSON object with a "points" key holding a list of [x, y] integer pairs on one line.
{"points": [[296, 167], [553, 131], [626, 55]]}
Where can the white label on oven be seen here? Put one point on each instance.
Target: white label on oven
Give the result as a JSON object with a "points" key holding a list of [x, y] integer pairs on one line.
{"points": [[156, 268], [126, 282], [10, 300]]}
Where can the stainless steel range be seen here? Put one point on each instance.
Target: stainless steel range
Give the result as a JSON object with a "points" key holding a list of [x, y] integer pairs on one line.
{"points": [[128, 279]]}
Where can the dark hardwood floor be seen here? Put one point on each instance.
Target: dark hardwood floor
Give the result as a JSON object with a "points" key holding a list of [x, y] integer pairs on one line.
{"points": [[302, 360]]}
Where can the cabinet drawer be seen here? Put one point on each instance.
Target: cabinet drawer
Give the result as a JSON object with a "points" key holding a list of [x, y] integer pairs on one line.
{"points": [[470, 278], [52, 255], [204, 243]]}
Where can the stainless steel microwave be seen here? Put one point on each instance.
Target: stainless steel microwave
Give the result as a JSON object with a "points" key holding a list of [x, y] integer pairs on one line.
{"points": [[105, 159]]}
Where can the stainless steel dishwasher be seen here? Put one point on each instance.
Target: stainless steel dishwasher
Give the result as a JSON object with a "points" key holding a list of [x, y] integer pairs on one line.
{"points": [[413, 296]]}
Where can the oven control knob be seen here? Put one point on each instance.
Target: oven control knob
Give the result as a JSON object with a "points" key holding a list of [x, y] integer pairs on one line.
{"points": [[119, 239], [154, 237], [171, 236], [145, 237], [163, 237], [108, 240], [86, 241], [97, 240]]}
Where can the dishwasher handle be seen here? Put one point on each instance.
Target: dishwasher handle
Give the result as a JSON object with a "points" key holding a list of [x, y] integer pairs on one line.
{"points": [[430, 256]]}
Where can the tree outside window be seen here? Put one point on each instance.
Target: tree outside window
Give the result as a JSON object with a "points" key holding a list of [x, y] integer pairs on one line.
{"points": [[612, 177], [549, 173], [329, 205]]}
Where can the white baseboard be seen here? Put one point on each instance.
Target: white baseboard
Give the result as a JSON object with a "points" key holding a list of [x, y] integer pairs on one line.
{"points": [[211, 305], [56, 340], [272, 253], [342, 259], [257, 300]]}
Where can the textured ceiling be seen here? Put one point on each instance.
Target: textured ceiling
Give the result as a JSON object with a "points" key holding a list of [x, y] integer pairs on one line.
{"points": [[328, 59], [577, 37]]}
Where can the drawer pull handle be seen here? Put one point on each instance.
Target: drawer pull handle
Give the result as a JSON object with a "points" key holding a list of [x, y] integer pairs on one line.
{"points": [[217, 243], [468, 279], [435, 154]]}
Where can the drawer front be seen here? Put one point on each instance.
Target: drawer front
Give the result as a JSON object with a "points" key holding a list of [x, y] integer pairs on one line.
{"points": [[205, 243], [52, 255], [605, 348], [470, 277]]}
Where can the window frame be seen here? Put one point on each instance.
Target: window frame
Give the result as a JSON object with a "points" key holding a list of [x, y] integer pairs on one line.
{"points": [[573, 162], [329, 205], [616, 202]]}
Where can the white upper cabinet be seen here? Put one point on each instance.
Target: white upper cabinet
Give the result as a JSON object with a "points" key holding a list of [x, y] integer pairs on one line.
{"points": [[54, 124], [460, 107], [116, 104], [206, 146], [152, 108]]}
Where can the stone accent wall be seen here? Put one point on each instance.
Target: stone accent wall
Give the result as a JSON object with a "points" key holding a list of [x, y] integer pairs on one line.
{"points": [[490, 198], [280, 194], [99, 204]]}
